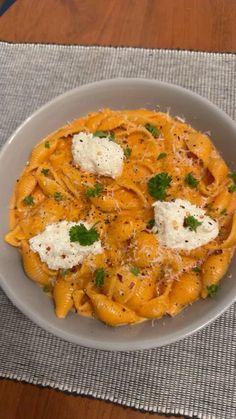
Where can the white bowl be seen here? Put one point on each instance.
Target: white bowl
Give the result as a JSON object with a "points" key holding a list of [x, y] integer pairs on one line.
{"points": [[116, 94]]}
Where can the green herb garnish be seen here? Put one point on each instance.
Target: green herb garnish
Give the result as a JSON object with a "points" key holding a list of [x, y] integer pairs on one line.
{"points": [[232, 176], [85, 237], [158, 184], [64, 272], [94, 192], [47, 144], [161, 156], [45, 172], [29, 200], [100, 274], [191, 181], [212, 289], [127, 152], [150, 223], [232, 188], [196, 269], [47, 288], [105, 134], [192, 223], [58, 196], [153, 130], [223, 212], [135, 270]]}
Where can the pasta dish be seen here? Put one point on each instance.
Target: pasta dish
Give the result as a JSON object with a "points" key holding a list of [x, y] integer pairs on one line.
{"points": [[125, 216]]}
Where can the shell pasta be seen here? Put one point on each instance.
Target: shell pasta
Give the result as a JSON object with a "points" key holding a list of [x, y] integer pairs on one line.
{"points": [[133, 276]]}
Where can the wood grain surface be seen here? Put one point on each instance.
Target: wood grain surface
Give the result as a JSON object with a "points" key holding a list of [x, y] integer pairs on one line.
{"points": [[25, 401], [207, 25]]}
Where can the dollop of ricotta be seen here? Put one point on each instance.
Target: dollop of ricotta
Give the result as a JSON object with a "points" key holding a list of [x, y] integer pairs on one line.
{"points": [[171, 232], [97, 155], [55, 248]]}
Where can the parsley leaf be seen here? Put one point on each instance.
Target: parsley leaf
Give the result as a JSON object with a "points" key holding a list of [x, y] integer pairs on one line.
{"points": [[223, 212], [232, 176], [232, 188], [64, 272], [96, 191], [153, 130], [29, 200], [196, 269], [100, 274], [135, 270], [85, 237], [192, 223], [58, 196], [45, 172], [150, 223], [47, 144], [127, 152], [47, 288], [158, 184], [161, 156], [104, 134], [212, 289], [191, 181]]}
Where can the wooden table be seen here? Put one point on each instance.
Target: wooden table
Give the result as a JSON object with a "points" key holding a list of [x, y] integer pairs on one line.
{"points": [[207, 25]]}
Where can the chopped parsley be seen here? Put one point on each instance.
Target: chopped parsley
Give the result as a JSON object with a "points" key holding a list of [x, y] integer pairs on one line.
{"points": [[58, 196], [223, 212], [64, 272], [232, 188], [45, 172], [196, 269], [85, 237], [153, 130], [232, 176], [150, 223], [135, 270], [212, 289], [29, 200], [161, 156], [94, 192], [192, 223], [105, 134], [100, 274], [191, 181], [127, 152], [158, 184], [47, 288], [47, 144]]}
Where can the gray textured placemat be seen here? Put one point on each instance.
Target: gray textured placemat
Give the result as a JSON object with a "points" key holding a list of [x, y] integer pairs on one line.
{"points": [[194, 377]]}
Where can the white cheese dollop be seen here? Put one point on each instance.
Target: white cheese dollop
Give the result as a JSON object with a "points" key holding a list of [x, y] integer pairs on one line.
{"points": [[55, 248], [97, 155], [169, 220]]}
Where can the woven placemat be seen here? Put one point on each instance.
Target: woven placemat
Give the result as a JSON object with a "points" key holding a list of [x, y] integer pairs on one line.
{"points": [[194, 377]]}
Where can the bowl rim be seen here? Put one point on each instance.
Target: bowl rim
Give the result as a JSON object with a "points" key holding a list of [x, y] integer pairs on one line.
{"points": [[85, 341]]}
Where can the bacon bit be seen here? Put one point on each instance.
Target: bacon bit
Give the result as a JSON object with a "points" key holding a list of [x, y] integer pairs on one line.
{"points": [[131, 285]]}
